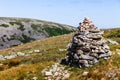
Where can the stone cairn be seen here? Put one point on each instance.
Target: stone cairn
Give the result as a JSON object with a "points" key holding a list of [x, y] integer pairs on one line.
{"points": [[87, 46]]}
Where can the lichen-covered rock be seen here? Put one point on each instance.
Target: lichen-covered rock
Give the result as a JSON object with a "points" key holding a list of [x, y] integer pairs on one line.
{"points": [[87, 47]]}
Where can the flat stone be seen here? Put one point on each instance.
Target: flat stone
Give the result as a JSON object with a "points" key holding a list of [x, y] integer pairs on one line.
{"points": [[94, 55], [94, 31], [85, 73], [76, 56], [96, 37], [93, 47], [20, 54], [87, 57], [48, 73], [10, 56], [95, 60], [118, 51], [2, 58], [82, 32], [36, 51], [66, 76], [104, 55], [86, 49], [62, 50], [34, 78], [54, 68], [79, 52], [105, 46], [84, 63], [81, 44]]}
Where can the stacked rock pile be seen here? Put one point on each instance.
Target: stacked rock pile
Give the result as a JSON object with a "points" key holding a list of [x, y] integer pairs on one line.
{"points": [[87, 46]]}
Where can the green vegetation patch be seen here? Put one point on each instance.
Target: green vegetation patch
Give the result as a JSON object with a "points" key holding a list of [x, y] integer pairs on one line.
{"points": [[51, 30], [112, 33], [24, 38], [37, 27], [4, 25], [56, 31], [18, 23]]}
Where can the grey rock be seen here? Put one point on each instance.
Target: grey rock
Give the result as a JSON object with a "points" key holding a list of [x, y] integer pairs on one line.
{"points": [[34, 78], [79, 52], [104, 55], [86, 49], [66, 76], [87, 57], [94, 55], [105, 46], [10, 56], [85, 73], [95, 60], [48, 73], [76, 56], [20, 54], [84, 63], [36, 51], [2, 58], [54, 68], [94, 30]]}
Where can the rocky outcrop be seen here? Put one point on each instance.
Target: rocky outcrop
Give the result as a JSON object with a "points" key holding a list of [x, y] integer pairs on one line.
{"points": [[15, 31], [87, 46]]}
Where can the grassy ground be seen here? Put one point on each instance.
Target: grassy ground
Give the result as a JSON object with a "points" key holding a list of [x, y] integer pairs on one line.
{"points": [[28, 67]]}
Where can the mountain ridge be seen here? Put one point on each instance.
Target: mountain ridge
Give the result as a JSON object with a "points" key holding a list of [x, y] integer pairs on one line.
{"points": [[15, 31]]}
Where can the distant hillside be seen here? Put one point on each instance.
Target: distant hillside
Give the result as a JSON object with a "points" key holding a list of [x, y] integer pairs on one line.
{"points": [[15, 31], [112, 34]]}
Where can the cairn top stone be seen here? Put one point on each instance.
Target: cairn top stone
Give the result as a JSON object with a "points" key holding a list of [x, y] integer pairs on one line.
{"points": [[87, 20], [87, 25]]}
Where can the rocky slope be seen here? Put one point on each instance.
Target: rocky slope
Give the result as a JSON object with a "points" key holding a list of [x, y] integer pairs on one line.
{"points": [[15, 31]]}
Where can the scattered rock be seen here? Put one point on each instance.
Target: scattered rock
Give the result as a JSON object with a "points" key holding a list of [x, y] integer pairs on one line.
{"points": [[56, 72], [112, 73], [20, 54], [2, 58], [36, 51], [62, 50], [10, 56], [30, 52], [48, 73], [118, 51], [13, 55], [85, 73], [1, 64], [111, 42], [116, 78], [34, 78], [66, 76]]}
